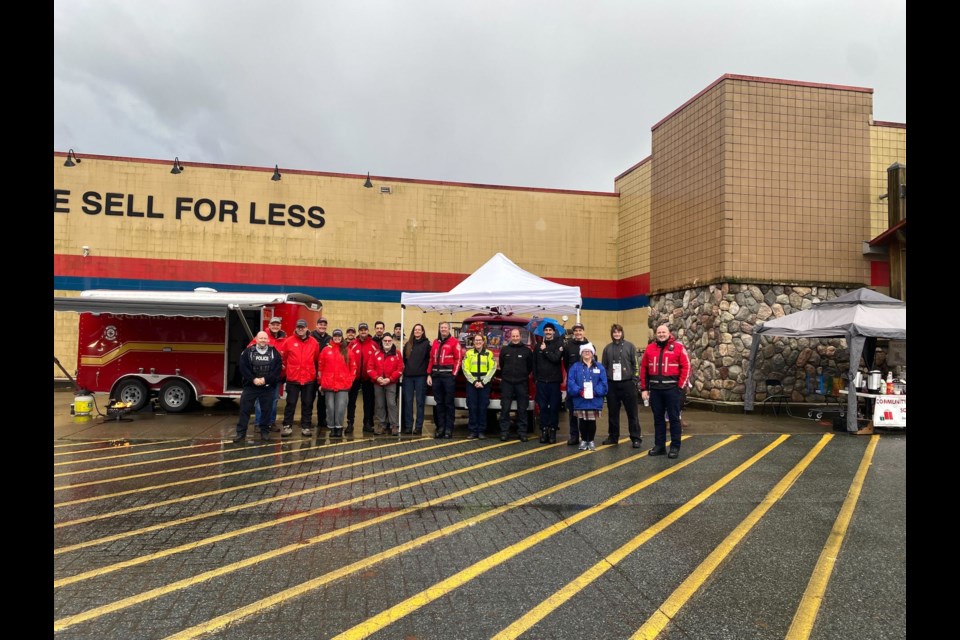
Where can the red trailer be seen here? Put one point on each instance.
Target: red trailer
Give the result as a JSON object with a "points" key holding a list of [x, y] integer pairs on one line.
{"points": [[175, 345]]}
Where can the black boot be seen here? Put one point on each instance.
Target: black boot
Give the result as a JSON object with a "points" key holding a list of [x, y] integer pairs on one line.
{"points": [[544, 437], [552, 436]]}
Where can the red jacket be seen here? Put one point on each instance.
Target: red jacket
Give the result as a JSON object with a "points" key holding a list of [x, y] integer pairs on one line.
{"points": [[365, 350], [384, 365], [446, 354], [664, 367], [333, 373], [300, 358]]}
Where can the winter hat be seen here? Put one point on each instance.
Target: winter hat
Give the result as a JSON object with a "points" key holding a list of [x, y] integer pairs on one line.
{"points": [[587, 347]]}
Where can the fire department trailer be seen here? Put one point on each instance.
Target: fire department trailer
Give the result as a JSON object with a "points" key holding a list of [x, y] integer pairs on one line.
{"points": [[175, 345]]}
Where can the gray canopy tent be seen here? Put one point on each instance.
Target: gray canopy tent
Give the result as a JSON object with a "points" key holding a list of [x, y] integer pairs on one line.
{"points": [[855, 316]]}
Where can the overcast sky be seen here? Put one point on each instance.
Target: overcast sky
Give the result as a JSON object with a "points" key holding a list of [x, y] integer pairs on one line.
{"points": [[556, 94]]}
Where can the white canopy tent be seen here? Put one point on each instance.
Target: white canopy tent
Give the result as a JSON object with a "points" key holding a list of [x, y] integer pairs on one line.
{"points": [[503, 286], [855, 316]]}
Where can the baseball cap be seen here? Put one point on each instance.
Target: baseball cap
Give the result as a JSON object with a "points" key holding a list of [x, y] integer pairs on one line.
{"points": [[301, 323], [362, 325], [274, 319], [337, 332], [578, 326], [321, 321], [397, 326], [351, 330]]}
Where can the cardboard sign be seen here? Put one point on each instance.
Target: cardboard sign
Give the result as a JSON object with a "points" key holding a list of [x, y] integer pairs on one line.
{"points": [[890, 411]]}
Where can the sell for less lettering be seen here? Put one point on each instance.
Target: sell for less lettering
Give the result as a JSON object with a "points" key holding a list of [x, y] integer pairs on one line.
{"points": [[203, 209]]}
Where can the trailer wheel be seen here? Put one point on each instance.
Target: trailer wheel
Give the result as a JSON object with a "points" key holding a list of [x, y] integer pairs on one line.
{"points": [[175, 396], [134, 391]]}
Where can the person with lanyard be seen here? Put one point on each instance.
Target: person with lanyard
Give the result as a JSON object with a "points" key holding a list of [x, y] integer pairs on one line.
{"points": [[445, 359], [664, 371], [620, 361], [571, 356], [587, 383], [478, 368]]}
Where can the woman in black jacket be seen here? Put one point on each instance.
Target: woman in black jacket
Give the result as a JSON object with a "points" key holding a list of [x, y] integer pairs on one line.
{"points": [[416, 356]]}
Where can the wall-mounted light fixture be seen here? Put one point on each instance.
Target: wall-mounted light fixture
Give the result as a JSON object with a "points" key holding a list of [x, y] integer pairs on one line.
{"points": [[276, 173], [86, 251], [72, 159], [177, 167], [368, 184]]}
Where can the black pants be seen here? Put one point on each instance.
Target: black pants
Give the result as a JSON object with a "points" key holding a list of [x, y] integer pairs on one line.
{"points": [[369, 403], [305, 394], [574, 428], [248, 398], [321, 408], [443, 390], [666, 400], [352, 402], [510, 391], [622, 392]]}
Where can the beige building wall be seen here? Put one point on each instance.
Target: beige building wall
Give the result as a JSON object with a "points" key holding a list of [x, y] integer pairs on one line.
{"points": [[633, 242], [888, 144], [764, 181], [397, 241]]}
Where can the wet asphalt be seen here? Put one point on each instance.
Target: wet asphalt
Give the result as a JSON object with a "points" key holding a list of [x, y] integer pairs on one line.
{"points": [[764, 527]]}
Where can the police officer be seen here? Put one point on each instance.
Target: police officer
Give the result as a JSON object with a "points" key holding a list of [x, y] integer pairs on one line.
{"points": [[260, 366]]}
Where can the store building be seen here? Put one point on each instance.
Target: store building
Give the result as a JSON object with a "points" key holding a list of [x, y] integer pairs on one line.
{"points": [[758, 197]]}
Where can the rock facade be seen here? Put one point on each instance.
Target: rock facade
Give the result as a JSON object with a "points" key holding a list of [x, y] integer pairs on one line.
{"points": [[715, 323]]}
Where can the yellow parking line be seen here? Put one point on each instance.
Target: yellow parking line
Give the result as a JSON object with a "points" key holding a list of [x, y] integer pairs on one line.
{"points": [[682, 594], [812, 598], [232, 473], [101, 449], [324, 537], [257, 503], [218, 443], [538, 613], [415, 602], [298, 590]]}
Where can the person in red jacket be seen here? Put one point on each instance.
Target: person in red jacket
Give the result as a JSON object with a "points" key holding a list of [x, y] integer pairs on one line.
{"points": [[299, 352], [384, 369], [336, 371], [664, 371], [445, 358]]}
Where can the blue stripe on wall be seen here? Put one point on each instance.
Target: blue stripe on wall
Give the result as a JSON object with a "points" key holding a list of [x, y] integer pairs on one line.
{"points": [[70, 283]]}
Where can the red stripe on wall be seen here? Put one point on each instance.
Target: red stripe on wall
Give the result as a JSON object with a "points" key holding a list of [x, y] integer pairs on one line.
{"points": [[880, 273], [291, 275]]}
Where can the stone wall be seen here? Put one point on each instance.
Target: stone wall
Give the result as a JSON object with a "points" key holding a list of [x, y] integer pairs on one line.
{"points": [[715, 323]]}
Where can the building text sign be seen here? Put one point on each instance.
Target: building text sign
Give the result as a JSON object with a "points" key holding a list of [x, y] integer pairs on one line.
{"points": [[93, 203]]}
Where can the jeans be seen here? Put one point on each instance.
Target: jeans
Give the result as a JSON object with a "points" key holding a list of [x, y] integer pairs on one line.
{"points": [[443, 394], [548, 399], [665, 400], [336, 402], [385, 398], [414, 388], [477, 402], [272, 417]]}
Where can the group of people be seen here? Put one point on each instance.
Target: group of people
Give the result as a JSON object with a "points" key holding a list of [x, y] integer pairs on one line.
{"points": [[330, 370], [341, 368], [622, 376]]}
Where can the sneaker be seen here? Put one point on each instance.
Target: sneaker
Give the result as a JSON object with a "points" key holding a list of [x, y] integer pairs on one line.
{"points": [[674, 452], [336, 432], [656, 451], [591, 446], [472, 436], [377, 431], [636, 443], [480, 436], [394, 431], [287, 431], [306, 432], [572, 442], [611, 440], [583, 446], [240, 438]]}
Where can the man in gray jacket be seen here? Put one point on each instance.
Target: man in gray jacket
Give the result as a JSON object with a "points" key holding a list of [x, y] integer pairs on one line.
{"points": [[622, 365]]}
